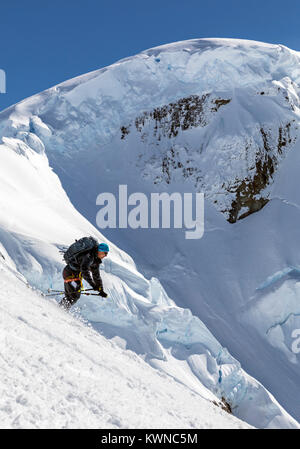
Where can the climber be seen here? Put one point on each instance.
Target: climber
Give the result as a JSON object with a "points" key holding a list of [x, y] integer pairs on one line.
{"points": [[83, 259]]}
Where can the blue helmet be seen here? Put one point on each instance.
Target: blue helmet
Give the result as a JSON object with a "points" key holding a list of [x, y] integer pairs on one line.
{"points": [[103, 247]]}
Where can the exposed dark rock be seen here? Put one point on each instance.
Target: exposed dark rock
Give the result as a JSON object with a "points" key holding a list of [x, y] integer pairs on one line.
{"points": [[265, 139], [156, 127], [284, 137], [124, 131], [248, 191], [219, 102], [171, 161], [224, 405], [183, 114]]}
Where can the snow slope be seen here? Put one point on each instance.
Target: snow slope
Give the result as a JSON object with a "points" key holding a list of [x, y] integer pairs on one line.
{"points": [[99, 131], [57, 372]]}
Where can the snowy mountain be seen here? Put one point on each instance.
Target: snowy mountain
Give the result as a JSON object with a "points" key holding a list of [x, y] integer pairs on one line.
{"points": [[214, 116]]}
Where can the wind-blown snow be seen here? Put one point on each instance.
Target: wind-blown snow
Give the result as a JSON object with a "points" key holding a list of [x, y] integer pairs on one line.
{"points": [[77, 126]]}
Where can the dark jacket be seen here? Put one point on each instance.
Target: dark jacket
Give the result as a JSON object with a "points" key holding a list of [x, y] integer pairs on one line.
{"points": [[88, 265]]}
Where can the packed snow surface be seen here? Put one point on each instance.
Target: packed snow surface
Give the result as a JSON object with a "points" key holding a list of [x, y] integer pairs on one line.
{"points": [[57, 372]]}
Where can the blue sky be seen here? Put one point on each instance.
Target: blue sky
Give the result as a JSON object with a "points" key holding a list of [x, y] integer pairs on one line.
{"points": [[43, 42]]}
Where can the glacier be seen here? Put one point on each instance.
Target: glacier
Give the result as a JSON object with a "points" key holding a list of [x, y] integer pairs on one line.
{"points": [[91, 134]]}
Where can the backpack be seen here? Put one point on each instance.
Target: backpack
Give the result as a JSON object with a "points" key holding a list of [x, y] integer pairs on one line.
{"points": [[80, 246]]}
